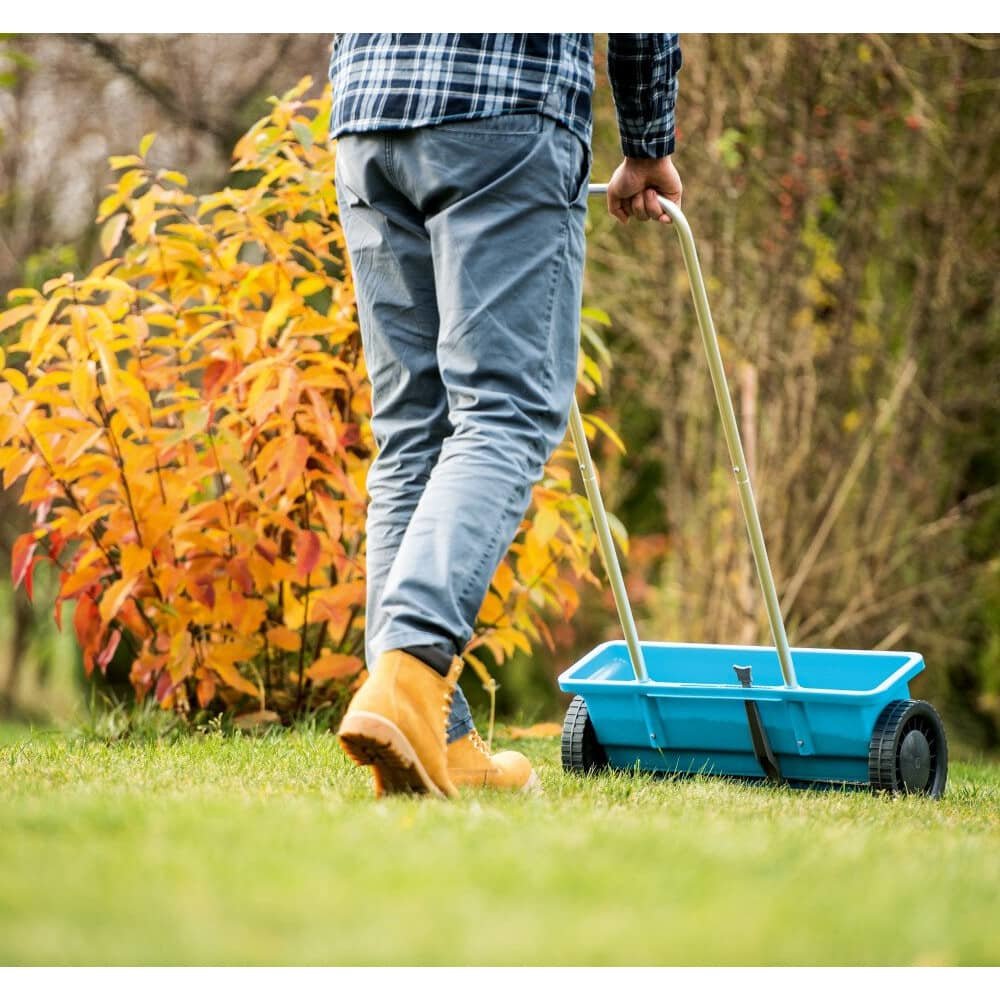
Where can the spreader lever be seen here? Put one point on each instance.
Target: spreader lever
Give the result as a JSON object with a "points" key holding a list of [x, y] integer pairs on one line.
{"points": [[758, 734]]}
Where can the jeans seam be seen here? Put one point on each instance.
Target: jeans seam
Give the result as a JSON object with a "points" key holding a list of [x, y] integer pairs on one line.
{"points": [[486, 553], [550, 306]]}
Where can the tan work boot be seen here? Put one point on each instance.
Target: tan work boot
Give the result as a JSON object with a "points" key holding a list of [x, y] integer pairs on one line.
{"points": [[470, 764], [396, 725]]}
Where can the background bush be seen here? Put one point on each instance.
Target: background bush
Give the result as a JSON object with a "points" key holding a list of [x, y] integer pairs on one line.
{"points": [[844, 192], [188, 424]]}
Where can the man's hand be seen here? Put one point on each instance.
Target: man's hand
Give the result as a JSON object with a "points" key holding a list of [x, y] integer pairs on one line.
{"points": [[634, 186]]}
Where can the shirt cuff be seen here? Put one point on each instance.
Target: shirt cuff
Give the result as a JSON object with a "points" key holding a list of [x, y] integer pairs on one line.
{"points": [[652, 143]]}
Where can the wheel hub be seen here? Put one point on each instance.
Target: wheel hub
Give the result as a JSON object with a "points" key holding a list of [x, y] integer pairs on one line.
{"points": [[915, 761]]}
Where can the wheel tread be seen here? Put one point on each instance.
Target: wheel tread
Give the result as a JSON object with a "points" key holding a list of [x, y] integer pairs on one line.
{"points": [[580, 748], [883, 753]]}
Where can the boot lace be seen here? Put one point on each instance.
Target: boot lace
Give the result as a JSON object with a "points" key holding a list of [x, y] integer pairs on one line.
{"points": [[478, 743], [477, 740]]}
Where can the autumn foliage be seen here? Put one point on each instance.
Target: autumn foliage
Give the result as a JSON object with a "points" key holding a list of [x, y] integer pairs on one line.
{"points": [[189, 426]]}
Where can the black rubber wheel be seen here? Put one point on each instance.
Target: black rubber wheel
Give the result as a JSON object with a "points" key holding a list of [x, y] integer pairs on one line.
{"points": [[908, 754], [580, 748]]}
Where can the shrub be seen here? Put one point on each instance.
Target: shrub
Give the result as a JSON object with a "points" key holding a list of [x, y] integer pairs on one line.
{"points": [[190, 421]]}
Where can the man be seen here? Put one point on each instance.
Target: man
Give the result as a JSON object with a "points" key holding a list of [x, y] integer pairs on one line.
{"points": [[462, 171]]}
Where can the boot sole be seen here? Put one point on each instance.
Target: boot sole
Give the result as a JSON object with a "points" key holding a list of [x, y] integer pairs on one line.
{"points": [[371, 740], [533, 786]]}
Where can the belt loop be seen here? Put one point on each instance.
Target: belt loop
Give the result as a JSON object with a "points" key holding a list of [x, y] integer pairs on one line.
{"points": [[387, 153]]}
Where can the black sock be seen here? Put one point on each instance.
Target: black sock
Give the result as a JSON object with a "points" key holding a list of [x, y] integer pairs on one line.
{"points": [[436, 657]]}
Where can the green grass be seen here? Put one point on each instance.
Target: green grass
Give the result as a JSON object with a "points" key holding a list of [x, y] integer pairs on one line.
{"points": [[235, 849]]}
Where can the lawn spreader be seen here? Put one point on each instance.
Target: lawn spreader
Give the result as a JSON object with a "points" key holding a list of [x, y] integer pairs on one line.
{"points": [[794, 716]]}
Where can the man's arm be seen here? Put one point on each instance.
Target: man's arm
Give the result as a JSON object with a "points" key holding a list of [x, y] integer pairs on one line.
{"points": [[643, 71]]}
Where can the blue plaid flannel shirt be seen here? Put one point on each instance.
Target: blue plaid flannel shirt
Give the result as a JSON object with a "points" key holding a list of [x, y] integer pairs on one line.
{"points": [[397, 81]]}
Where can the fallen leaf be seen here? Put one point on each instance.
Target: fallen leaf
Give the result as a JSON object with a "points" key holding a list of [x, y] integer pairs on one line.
{"points": [[539, 731], [257, 720]]}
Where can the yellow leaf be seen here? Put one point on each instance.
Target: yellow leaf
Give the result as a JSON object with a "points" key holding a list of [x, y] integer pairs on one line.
{"points": [[108, 205], [546, 524], [480, 669], [276, 315], [503, 580], [173, 175], [310, 286], [120, 162], [605, 428], [16, 379], [135, 560], [41, 323], [146, 142], [11, 316], [129, 182], [491, 613], [111, 232], [114, 597], [109, 365]]}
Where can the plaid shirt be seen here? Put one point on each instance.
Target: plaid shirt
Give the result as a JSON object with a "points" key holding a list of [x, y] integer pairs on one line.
{"points": [[399, 81]]}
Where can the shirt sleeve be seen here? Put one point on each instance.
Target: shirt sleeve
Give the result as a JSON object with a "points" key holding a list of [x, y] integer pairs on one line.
{"points": [[643, 71]]}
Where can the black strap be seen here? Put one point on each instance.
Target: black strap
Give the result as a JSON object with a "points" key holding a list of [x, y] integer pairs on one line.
{"points": [[758, 734]]}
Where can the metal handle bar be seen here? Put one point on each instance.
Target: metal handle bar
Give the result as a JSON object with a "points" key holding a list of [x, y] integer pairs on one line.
{"points": [[730, 428]]}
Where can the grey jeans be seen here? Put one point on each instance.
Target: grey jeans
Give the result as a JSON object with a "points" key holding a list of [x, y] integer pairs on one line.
{"points": [[466, 240]]}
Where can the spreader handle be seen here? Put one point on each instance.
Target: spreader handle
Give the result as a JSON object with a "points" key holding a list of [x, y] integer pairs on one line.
{"points": [[730, 428]]}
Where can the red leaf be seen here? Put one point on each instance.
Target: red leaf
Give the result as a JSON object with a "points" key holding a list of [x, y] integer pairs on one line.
{"points": [[164, 686], [22, 561], [241, 574], [266, 549], [86, 620], [206, 689], [218, 373], [104, 657], [307, 552], [89, 628], [57, 542], [203, 589]]}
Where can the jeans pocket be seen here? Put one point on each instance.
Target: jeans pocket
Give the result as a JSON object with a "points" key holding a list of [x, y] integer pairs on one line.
{"points": [[583, 177], [496, 128], [579, 159]]}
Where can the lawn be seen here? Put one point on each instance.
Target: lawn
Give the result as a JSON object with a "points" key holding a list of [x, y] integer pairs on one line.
{"points": [[219, 849]]}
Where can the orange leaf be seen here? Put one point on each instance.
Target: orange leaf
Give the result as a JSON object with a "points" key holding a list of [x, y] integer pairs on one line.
{"points": [[329, 510], [235, 679], [334, 666], [284, 638]]}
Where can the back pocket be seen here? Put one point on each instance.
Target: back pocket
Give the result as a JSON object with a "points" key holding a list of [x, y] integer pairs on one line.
{"points": [[498, 127]]}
